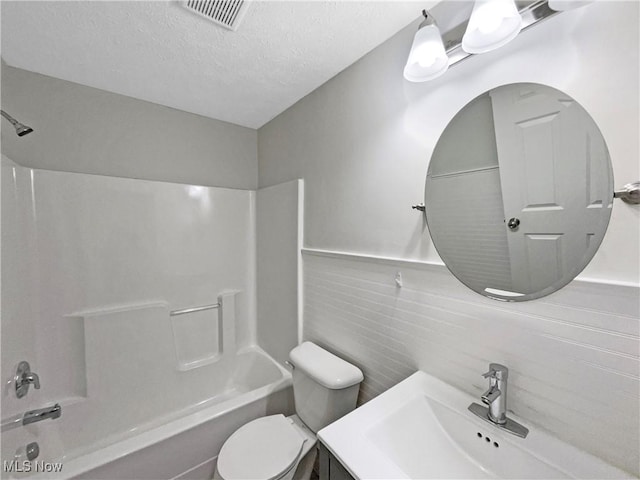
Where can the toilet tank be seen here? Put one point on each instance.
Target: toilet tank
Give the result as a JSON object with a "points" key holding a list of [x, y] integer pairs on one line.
{"points": [[325, 387]]}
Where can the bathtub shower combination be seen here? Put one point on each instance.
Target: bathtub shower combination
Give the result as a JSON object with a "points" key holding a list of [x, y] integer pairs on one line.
{"points": [[132, 302]]}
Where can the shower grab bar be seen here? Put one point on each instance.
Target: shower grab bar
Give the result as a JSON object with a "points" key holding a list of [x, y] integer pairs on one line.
{"points": [[173, 313]]}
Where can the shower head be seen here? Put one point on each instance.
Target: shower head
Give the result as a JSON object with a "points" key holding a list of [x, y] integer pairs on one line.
{"points": [[21, 129]]}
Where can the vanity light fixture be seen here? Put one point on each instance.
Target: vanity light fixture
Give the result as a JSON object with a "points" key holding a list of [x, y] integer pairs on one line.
{"points": [[562, 5], [427, 58], [493, 23]]}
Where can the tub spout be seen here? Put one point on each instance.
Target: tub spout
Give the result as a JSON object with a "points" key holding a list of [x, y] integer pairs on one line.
{"points": [[33, 416]]}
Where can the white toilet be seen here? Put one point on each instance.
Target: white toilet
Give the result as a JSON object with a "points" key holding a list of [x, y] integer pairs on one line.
{"points": [[325, 388]]}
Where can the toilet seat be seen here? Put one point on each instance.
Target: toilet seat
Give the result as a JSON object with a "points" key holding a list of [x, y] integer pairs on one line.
{"points": [[265, 448]]}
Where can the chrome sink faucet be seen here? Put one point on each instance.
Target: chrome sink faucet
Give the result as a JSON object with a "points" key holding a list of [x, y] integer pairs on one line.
{"points": [[496, 399], [496, 396]]}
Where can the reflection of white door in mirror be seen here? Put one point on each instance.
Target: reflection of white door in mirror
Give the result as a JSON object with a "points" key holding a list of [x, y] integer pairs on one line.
{"points": [[525, 152], [545, 140]]}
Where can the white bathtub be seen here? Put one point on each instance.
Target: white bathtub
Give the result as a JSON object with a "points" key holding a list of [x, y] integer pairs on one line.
{"points": [[184, 444]]}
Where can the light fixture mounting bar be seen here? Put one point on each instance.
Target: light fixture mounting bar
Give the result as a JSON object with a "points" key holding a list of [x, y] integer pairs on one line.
{"points": [[531, 15]]}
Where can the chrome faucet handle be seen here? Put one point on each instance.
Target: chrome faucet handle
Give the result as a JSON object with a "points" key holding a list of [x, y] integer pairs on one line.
{"points": [[24, 378], [491, 373], [497, 371], [33, 379]]}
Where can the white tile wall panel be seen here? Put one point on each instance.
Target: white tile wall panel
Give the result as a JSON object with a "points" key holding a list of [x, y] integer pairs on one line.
{"points": [[573, 356]]}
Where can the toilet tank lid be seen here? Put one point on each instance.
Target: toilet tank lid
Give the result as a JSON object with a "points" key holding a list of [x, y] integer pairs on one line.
{"points": [[324, 367]]}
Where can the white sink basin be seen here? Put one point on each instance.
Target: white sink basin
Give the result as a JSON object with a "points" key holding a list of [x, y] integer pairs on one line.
{"points": [[421, 428]]}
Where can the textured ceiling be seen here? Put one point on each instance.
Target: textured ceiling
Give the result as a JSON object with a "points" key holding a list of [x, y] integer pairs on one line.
{"points": [[160, 52]]}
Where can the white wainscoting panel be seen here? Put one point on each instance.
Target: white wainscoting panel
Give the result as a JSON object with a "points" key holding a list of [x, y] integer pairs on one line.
{"points": [[573, 356]]}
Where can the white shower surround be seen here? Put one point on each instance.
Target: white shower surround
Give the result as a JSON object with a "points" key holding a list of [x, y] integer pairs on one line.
{"points": [[93, 266]]}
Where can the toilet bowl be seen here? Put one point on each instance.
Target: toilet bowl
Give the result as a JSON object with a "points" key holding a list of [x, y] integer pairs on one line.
{"points": [[274, 447]]}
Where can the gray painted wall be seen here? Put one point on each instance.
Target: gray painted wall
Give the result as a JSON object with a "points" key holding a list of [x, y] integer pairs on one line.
{"points": [[86, 130], [363, 140], [278, 249], [362, 143]]}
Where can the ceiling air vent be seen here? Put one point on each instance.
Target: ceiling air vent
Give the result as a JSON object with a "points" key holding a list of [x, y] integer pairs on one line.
{"points": [[226, 13]]}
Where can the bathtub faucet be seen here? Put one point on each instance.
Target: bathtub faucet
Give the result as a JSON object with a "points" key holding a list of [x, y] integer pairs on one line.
{"points": [[24, 378], [33, 416]]}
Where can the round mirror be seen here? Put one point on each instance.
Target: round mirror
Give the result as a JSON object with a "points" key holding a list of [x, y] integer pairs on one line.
{"points": [[519, 192]]}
